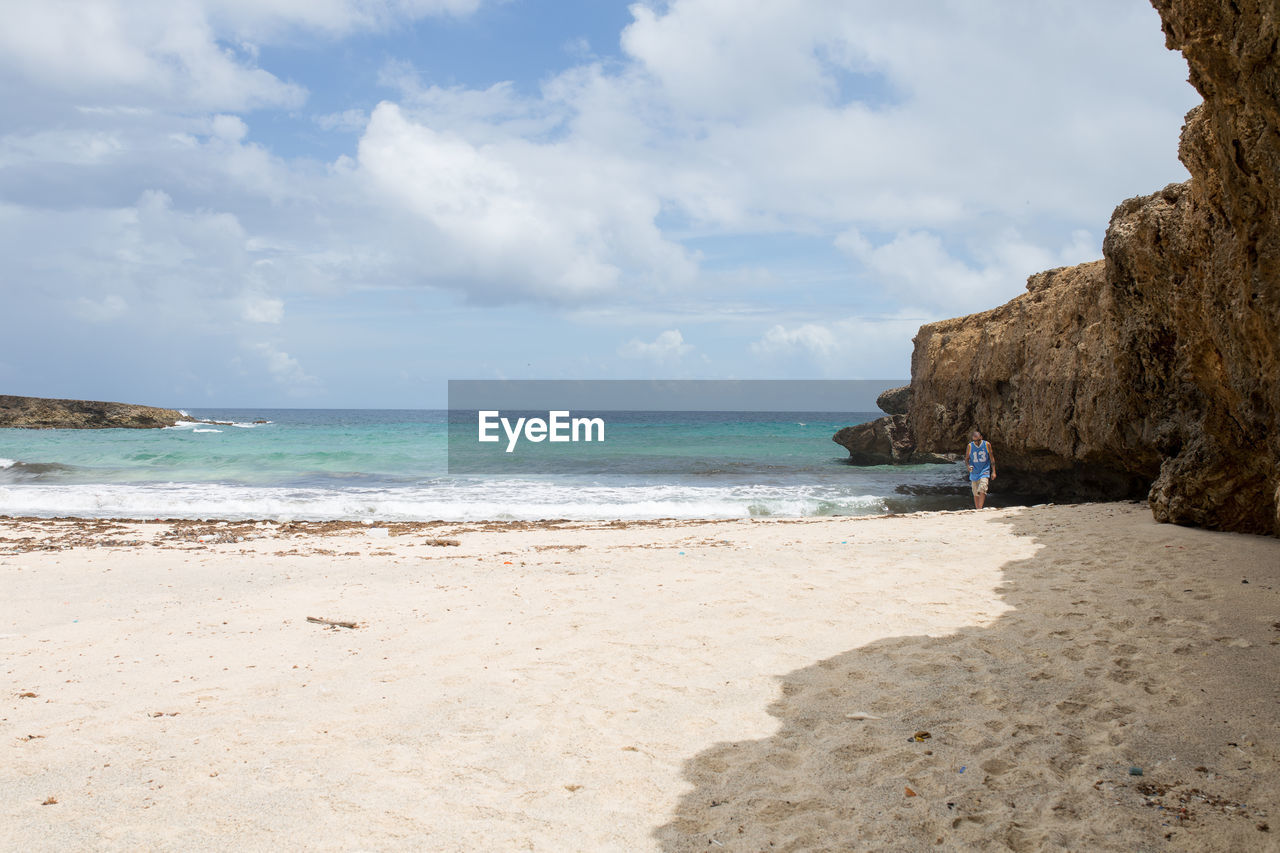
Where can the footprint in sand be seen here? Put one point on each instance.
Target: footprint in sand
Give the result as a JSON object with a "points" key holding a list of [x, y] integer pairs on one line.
{"points": [[995, 767]]}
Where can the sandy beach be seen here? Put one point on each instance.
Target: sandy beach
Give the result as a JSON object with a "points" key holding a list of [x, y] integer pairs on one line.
{"points": [[1057, 677]]}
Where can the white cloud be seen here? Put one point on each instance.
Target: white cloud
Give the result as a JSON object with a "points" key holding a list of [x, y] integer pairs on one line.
{"points": [[228, 128], [156, 264], [347, 121], [260, 309], [258, 19], [731, 57], [862, 347], [947, 149], [101, 310], [918, 269], [133, 53], [756, 114], [819, 341], [519, 218], [668, 346], [823, 118], [820, 117], [283, 368], [180, 54]]}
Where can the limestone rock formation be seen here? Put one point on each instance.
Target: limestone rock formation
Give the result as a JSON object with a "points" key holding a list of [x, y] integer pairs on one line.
{"points": [[885, 441], [1033, 376], [1155, 371], [45, 413], [895, 401]]}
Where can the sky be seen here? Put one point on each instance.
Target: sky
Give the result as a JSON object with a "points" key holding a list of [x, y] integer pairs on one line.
{"points": [[346, 203]]}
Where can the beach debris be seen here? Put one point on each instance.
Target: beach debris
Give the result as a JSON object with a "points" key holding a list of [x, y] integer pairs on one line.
{"points": [[332, 623], [920, 736], [28, 695], [163, 714], [1135, 771], [1177, 801], [50, 801], [33, 737], [860, 715], [440, 543], [962, 768], [572, 788], [910, 793]]}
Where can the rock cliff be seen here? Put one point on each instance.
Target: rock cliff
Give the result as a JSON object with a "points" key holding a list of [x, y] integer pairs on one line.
{"points": [[43, 413], [1155, 371]]}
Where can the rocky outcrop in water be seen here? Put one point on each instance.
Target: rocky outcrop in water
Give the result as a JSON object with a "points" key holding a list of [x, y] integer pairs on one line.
{"points": [[887, 440], [45, 413], [1156, 371]]}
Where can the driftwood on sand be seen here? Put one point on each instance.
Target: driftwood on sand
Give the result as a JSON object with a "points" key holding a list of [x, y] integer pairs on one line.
{"points": [[333, 623]]}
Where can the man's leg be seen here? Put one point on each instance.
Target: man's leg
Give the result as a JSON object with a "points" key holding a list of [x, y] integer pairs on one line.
{"points": [[981, 497]]}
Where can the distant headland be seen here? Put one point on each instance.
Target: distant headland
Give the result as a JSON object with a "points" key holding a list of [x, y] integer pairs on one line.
{"points": [[46, 413]]}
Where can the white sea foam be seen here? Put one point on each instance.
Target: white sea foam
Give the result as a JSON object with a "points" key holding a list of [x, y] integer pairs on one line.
{"points": [[8, 463], [452, 502], [202, 426]]}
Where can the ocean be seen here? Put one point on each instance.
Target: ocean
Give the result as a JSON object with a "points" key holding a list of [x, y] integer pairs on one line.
{"points": [[394, 465]]}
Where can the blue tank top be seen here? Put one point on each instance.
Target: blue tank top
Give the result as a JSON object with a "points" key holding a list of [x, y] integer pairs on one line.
{"points": [[980, 459]]}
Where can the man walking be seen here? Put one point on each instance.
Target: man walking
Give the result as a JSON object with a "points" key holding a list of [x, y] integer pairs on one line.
{"points": [[982, 467]]}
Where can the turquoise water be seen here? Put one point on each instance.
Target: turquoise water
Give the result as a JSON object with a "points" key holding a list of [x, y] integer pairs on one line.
{"points": [[396, 465]]}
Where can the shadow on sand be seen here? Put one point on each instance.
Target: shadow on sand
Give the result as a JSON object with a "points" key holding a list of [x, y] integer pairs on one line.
{"points": [[1130, 645]]}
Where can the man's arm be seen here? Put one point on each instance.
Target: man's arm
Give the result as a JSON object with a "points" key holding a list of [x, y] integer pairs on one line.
{"points": [[991, 455]]}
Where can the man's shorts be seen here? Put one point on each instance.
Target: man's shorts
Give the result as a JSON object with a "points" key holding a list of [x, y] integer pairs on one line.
{"points": [[979, 486]]}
